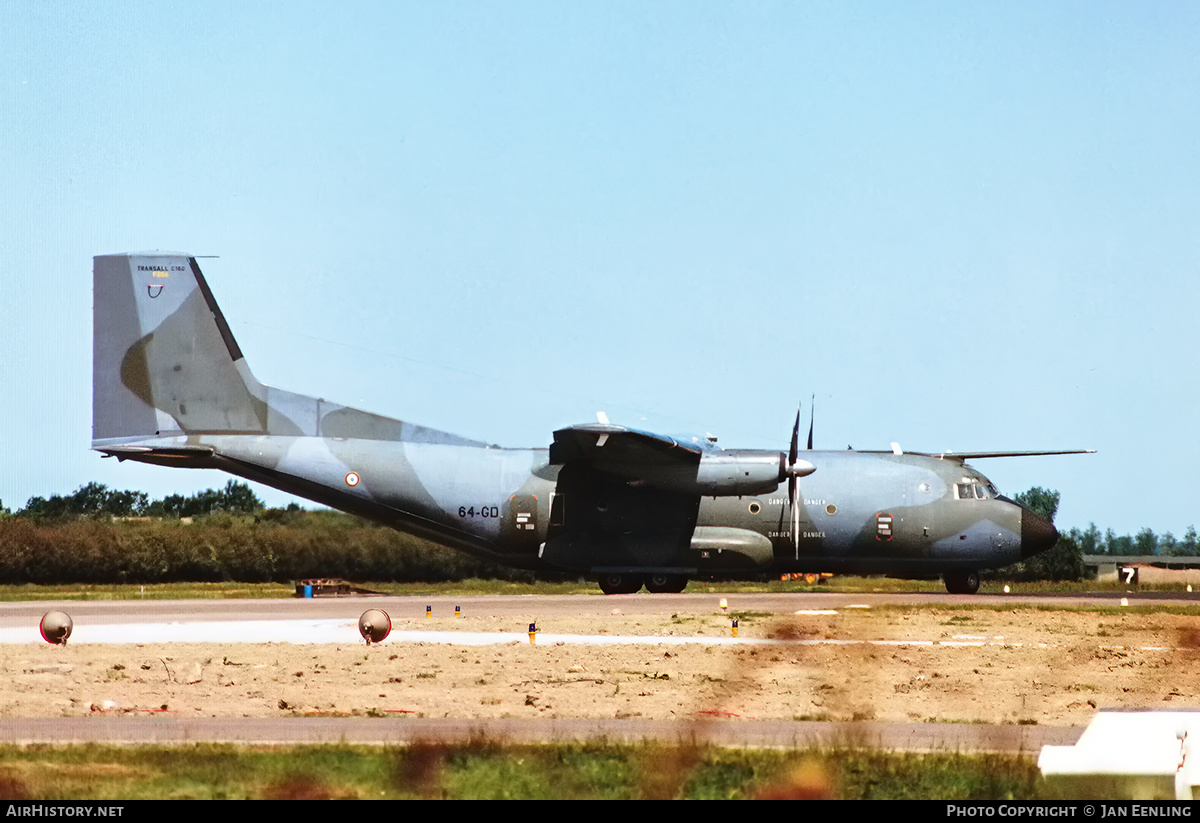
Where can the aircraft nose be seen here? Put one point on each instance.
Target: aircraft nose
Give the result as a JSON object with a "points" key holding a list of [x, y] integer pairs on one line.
{"points": [[1037, 533]]}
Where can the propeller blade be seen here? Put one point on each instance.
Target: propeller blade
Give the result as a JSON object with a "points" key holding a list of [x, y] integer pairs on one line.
{"points": [[793, 503], [795, 449], [812, 421], [793, 485]]}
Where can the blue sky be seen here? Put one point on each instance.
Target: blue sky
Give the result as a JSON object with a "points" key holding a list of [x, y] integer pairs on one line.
{"points": [[961, 226]]}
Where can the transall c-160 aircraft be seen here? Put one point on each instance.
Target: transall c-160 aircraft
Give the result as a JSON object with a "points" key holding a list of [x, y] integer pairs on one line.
{"points": [[627, 507]]}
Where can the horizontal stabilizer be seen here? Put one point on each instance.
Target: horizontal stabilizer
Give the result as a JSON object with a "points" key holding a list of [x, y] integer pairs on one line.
{"points": [[183, 455], [171, 451]]}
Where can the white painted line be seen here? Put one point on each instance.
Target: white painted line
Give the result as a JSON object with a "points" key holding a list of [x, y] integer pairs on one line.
{"points": [[345, 632], [232, 631], [302, 632]]}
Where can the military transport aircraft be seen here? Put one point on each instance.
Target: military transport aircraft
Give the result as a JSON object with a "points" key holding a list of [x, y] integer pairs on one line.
{"points": [[628, 507]]}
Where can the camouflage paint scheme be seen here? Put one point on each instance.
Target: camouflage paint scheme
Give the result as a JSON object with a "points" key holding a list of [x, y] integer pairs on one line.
{"points": [[171, 387]]}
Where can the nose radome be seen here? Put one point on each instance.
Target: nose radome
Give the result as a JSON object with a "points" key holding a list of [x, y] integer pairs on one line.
{"points": [[1037, 534]]}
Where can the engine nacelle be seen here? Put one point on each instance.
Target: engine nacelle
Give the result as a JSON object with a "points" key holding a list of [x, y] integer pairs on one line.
{"points": [[720, 474], [715, 548], [740, 473]]}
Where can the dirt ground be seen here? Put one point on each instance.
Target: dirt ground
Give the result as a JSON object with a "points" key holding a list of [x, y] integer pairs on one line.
{"points": [[1021, 666]]}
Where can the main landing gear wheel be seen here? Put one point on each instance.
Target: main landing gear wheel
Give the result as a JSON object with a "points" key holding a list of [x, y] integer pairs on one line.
{"points": [[961, 582], [620, 583], [666, 583]]}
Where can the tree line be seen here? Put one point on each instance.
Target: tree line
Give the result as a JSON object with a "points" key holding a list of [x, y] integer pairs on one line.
{"points": [[1065, 560], [101, 535], [237, 537], [97, 500]]}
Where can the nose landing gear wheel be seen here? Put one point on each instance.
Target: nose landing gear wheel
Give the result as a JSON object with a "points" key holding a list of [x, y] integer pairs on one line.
{"points": [[961, 582]]}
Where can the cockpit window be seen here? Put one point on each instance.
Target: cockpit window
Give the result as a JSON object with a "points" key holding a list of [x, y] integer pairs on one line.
{"points": [[974, 491]]}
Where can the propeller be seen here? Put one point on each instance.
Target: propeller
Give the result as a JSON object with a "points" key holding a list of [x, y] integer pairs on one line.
{"points": [[795, 469]]}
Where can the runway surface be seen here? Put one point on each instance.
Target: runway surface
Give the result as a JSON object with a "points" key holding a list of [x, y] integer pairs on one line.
{"points": [[524, 608]]}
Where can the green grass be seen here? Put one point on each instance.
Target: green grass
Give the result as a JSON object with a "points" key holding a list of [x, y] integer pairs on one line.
{"points": [[234, 591], [483, 770], [230, 591], [160, 591]]}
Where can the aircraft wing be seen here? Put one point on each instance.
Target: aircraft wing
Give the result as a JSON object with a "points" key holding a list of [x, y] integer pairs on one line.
{"points": [[669, 464], [964, 456], [617, 448]]}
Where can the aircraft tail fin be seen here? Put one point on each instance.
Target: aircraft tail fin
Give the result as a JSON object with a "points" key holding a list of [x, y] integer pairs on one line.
{"points": [[165, 365], [164, 361]]}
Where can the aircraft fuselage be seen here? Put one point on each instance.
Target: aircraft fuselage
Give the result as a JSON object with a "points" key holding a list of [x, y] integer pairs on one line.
{"points": [[866, 512]]}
